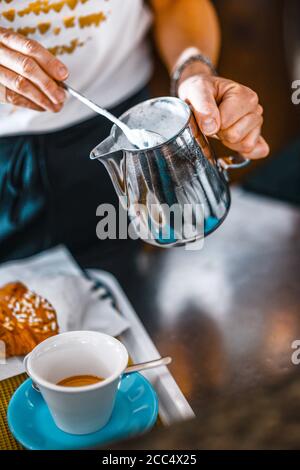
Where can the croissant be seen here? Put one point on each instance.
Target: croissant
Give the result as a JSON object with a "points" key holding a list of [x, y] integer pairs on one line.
{"points": [[26, 319]]}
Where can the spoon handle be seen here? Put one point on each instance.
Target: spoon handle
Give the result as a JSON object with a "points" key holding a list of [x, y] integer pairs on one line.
{"points": [[163, 361], [97, 108]]}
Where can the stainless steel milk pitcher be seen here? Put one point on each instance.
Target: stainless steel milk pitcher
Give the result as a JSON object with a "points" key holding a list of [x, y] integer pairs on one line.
{"points": [[177, 192]]}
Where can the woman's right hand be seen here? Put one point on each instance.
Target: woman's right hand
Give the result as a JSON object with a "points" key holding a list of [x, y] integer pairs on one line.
{"points": [[29, 74]]}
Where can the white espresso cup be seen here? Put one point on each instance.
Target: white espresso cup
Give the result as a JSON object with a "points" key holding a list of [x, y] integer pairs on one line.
{"points": [[86, 409]]}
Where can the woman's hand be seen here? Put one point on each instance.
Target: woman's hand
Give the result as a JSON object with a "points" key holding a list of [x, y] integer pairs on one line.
{"points": [[29, 74], [226, 109]]}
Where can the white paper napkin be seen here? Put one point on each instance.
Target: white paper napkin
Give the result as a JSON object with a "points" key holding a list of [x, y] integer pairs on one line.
{"points": [[55, 275]]}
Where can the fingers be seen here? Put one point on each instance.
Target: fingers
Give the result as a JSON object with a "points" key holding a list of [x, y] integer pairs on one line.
{"points": [[253, 146], [245, 136], [236, 101], [23, 87], [8, 96], [229, 110], [19, 100], [200, 94], [28, 47], [241, 120], [238, 131], [247, 144], [261, 150], [29, 68]]}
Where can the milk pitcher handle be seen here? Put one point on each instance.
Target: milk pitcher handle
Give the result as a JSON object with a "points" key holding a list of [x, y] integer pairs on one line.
{"points": [[233, 162]]}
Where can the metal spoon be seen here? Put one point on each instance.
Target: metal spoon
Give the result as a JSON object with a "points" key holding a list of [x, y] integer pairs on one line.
{"points": [[140, 138], [162, 361]]}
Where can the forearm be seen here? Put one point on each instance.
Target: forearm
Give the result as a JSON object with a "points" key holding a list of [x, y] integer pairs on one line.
{"points": [[184, 27]]}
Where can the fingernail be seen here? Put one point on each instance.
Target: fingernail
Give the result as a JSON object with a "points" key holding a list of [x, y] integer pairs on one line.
{"points": [[210, 126], [62, 71], [60, 95]]}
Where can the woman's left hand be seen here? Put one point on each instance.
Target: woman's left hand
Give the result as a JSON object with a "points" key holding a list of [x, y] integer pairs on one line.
{"points": [[228, 110]]}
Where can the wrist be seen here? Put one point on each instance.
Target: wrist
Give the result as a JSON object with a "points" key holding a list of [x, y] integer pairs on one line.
{"points": [[194, 69], [191, 63]]}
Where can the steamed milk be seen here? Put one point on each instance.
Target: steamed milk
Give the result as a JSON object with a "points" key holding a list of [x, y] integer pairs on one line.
{"points": [[162, 117]]}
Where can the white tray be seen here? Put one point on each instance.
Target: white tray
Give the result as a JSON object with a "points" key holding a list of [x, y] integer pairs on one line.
{"points": [[173, 405]]}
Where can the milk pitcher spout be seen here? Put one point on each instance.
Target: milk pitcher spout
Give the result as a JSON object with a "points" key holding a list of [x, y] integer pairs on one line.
{"points": [[114, 162]]}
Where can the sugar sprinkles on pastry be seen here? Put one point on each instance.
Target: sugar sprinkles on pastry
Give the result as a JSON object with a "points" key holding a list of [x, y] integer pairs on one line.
{"points": [[26, 319]]}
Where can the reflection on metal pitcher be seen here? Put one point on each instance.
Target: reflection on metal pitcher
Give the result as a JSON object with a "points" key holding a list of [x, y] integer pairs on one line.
{"points": [[181, 172]]}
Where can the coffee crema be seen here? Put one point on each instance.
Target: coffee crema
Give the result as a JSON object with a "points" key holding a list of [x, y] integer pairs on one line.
{"points": [[80, 381]]}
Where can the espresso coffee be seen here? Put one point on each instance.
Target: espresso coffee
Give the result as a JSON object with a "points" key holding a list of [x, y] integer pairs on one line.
{"points": [[80, 380]]}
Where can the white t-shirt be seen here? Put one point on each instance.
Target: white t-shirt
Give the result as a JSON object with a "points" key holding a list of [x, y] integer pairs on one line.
{"points": [[102, 42]]}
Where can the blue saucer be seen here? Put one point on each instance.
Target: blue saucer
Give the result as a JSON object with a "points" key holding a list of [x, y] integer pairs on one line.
{"points": [[30, 422]]}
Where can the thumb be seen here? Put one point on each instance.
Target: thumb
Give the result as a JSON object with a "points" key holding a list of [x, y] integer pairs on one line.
{"points": [[200, 94]]}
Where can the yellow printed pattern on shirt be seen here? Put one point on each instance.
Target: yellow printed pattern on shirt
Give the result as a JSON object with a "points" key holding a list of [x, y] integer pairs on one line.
{"points": [[60, 25]]}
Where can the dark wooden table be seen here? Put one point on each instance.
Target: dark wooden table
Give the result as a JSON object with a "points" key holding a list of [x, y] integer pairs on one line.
{"points": [[228, 316]]}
